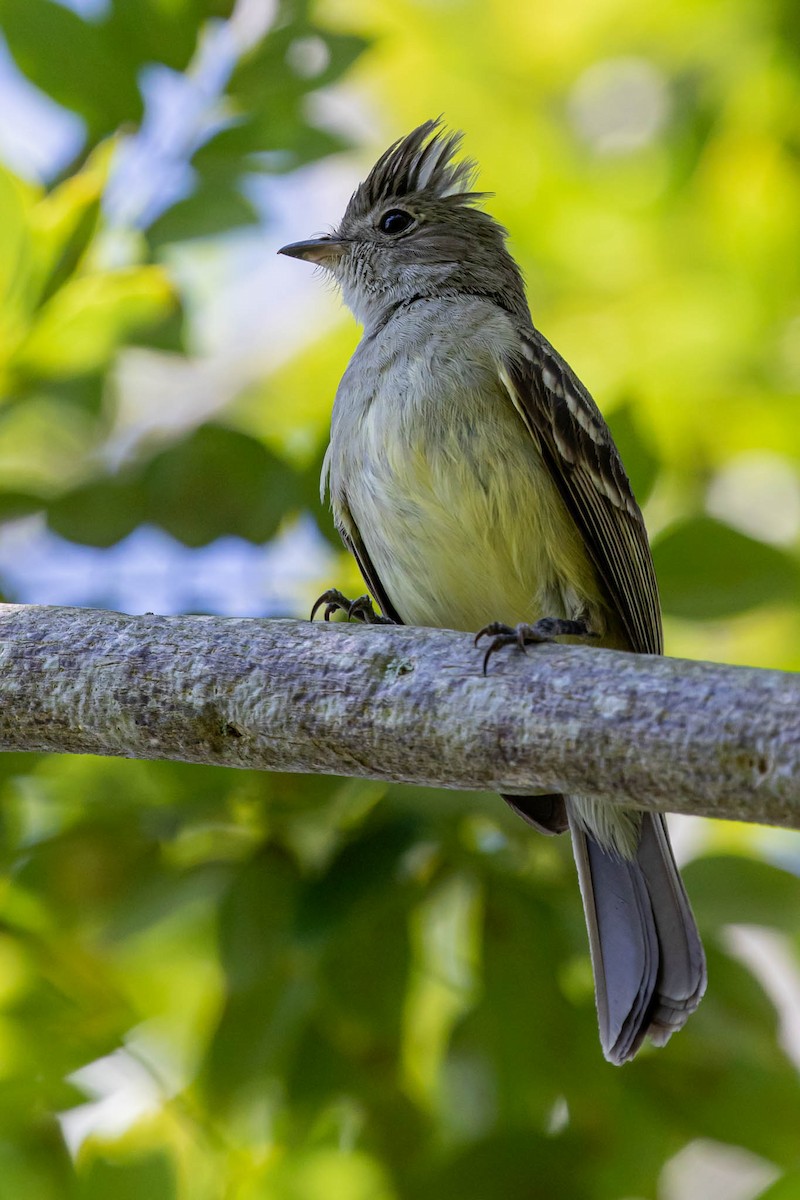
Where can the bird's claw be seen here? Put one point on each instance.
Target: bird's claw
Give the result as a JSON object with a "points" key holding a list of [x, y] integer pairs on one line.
{"points": [[522, 635], [360, 609]]}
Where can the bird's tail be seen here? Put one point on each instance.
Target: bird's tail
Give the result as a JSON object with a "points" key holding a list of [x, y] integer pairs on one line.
{"points": [[648, 960]]}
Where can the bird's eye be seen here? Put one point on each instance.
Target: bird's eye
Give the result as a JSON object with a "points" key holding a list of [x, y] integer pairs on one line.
{"points": [[395, 221]]}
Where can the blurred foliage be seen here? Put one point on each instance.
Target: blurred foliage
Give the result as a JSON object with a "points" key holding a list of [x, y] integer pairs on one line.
{"points": [[223, 984]]}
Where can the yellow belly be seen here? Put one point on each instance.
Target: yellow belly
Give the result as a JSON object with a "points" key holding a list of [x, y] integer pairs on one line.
{"points": [[464, 525]]}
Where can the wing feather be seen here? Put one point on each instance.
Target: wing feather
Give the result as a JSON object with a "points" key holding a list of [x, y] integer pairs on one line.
{"points": [[348, 531], [584, 463]]}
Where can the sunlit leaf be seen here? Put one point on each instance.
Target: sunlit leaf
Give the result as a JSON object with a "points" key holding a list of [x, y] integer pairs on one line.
{"points": [[17, 262], [44, 444], [324, 1172], [65, 220], [85, 321]]}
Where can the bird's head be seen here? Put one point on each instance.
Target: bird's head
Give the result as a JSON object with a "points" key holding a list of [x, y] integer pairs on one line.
{"points": [[412, 229]]}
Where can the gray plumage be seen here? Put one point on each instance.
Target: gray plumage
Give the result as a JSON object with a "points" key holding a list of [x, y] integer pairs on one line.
{"points": [[474, 479]]}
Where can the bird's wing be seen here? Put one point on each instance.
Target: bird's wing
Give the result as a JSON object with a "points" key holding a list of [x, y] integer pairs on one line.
{"points": [[348, 531], [586, 467]]}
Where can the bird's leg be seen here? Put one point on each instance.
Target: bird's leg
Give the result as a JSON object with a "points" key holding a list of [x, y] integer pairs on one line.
{"points": [[543, 630], [360, 609]]}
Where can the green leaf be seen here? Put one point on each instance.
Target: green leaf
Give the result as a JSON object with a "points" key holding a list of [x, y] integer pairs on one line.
{"points": [[84, 323], [150, 1177], [707, 570], [99, 514], [45, 440], [66, 219], [731, 890], [324, 1171], [730, 1049], [268, 71], [785, 1188], [344, 49], [35, 1167], [18, 504], [215, 206], [72, 61], [638, 459], [522, 1023], [17, 262], [280, 130], [219, 482], [164, 31], [268, 92], [366, 960], [167, 334], [356, 875], [517, 1164], [216, 482], [92, 67], [269, 975]]}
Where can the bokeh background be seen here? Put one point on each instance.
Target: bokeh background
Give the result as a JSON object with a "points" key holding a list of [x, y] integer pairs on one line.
{"points": [[219, 984]]}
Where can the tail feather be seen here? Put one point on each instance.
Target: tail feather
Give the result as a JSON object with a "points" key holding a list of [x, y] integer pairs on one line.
{"points": [[682, 978], [647, 957]]}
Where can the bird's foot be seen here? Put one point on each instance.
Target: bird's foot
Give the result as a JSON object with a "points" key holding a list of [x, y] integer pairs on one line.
{"points": [[543, 630], [360, 609]]}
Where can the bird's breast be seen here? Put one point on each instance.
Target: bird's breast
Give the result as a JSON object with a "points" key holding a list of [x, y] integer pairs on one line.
{"points": [[447, 488]]}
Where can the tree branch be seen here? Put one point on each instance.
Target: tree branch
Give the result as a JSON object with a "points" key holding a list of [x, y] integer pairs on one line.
{"points": [[407, 705]]}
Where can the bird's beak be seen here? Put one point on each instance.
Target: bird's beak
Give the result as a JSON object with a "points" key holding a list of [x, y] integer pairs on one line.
{"points": [[324, 250]]}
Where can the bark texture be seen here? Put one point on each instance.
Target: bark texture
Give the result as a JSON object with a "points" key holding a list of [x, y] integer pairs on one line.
{"points": [[407, 705]]}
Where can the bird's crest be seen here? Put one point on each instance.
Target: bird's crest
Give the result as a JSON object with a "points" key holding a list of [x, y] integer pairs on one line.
{"points": [[422, 163]]}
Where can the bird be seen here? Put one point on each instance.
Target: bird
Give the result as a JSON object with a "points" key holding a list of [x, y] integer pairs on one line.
{"points": [[476, 483]]}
